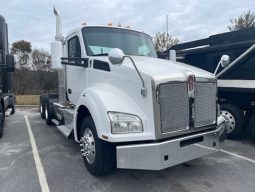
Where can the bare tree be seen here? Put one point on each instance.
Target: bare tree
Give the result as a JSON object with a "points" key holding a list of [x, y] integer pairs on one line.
{"points": [[163, 41], [247, 19], [41, 60]]}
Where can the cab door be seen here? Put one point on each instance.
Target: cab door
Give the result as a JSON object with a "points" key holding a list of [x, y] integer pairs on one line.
{"points": [[76, 72]]}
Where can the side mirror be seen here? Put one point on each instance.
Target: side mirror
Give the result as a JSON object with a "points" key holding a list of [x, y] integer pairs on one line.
{"points": [[116, 56], [10, 63], [56, 54], [224, 61]]}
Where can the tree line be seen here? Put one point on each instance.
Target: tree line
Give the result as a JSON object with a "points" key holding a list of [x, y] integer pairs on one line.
{"points": [[32, 59], [34, 75], [30, 82]]}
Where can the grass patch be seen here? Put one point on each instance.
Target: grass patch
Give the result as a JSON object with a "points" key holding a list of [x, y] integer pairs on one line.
{"points": [[27, 99]]}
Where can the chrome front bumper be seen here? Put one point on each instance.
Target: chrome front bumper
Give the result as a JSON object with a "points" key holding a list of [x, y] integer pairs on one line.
{"points": [[157, 156]]}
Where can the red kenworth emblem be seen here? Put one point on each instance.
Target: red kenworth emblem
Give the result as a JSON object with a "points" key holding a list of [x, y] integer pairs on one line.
{"points": [[191, 82]]}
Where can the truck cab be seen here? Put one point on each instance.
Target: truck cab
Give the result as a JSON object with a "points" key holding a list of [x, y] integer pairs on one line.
{"points": [[7, 66], [127, 108]]}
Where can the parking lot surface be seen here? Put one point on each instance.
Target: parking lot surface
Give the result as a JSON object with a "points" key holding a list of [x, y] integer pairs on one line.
{"points": [[60, 163]]}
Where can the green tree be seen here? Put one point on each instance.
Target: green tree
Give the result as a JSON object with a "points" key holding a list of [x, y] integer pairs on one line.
{"points": [[22, 50], [245, 20], [162, 41]]}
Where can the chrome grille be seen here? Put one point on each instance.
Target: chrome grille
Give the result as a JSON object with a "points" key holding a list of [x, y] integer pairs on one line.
{"points": [[205, 104], [174, 106]]}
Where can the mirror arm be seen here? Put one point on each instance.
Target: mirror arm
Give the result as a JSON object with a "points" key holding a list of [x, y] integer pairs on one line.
{"points": [[217, 68], [144, 89]]}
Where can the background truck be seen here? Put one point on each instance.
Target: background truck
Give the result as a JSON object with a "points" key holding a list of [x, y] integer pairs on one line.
{"points": [[7, 65], [131, 111], [236, 81]]}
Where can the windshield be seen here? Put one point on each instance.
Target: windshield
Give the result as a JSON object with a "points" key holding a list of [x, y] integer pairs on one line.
{"points": [[100, 40]]}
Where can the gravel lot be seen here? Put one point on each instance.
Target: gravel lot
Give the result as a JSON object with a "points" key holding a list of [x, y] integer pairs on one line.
{"points": [[232, 170]]}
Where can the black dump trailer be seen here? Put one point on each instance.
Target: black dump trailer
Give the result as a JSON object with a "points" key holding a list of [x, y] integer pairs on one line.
{"points": [[236, 79], [7, 65]]}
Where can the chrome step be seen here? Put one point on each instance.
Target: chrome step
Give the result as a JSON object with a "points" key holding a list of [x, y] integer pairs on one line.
{"points": [[8, 112], [64, 130], [59, 105], [55, 122], [64, 105]]}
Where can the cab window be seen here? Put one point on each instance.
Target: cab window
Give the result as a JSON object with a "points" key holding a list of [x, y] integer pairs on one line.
{"points": [[74, 47]]}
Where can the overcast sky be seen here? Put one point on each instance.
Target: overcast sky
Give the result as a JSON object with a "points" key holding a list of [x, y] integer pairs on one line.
{"points": [[33, 20]]}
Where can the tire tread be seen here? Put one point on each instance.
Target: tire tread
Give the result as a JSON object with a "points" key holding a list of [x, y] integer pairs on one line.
{"points": [[105, 152]]}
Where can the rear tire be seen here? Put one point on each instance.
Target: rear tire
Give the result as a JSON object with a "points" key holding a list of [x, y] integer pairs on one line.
{"points": [[235, 120], [99, 156], [3, 115], [13, 110], [1, 123], [1, 130], [48, 112], [12, 106], [42, 108], [252, 126]]}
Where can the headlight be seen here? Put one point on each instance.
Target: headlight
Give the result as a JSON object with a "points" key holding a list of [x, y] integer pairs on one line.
{"points": [[125, 123]]}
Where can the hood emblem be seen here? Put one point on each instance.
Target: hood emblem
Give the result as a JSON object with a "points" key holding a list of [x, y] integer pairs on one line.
{"points": [[191, 85]]}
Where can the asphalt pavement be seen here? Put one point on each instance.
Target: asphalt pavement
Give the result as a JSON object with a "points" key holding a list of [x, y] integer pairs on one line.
{"points": [[60, 163]]}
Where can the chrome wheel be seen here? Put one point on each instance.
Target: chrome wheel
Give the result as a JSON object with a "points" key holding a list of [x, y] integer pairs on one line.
{"points": [[88, 146], [230, 119]]}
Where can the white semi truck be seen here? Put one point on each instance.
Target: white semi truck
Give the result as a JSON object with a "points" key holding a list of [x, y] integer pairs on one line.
{"points": [[131, 110]]}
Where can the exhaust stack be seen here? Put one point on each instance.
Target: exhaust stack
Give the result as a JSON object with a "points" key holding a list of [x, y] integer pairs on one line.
{"points": [[59, 36], [57, 53]]}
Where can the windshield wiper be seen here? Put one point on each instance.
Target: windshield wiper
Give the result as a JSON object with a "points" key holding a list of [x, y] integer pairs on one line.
{"points": [[101, 54]]}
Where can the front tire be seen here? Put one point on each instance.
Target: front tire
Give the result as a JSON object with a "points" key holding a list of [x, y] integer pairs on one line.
{"points": [[99, 156], [235, 120]]}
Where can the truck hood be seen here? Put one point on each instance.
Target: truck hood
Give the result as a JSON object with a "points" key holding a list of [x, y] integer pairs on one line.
{"points": [[160, 67]]}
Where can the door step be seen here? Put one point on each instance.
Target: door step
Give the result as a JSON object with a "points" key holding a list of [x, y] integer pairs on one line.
{"points": [[8, 112], [64, 130], [63, 119], [55, 122]]}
